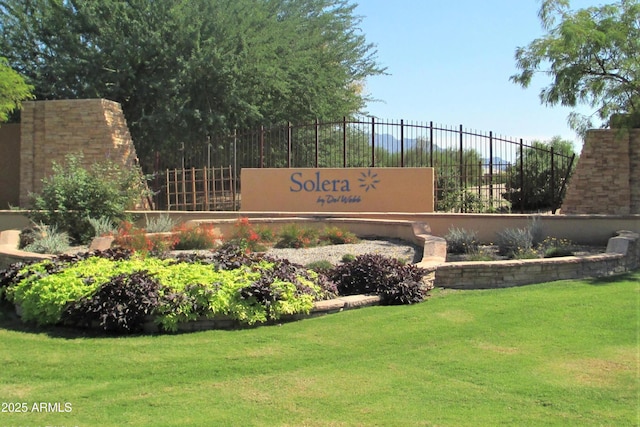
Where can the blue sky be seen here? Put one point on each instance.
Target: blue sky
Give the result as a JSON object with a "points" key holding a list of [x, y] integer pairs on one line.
{"points": [[449, 62]]}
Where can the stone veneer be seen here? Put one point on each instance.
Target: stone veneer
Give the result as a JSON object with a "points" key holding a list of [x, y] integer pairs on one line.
{"points": [[607, 177], [622, 255], [52, 129]]}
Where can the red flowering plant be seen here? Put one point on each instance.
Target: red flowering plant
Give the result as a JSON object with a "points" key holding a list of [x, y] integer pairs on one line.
{"points": [[295, 236], [248, 237], [337, 236], [202, 236], [138, 240], [132, 238]]}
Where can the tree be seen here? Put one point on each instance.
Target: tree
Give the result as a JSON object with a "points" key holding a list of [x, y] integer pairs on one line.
{"points": [[593, 57], [184, 69], [533, 184], [13, 90]]}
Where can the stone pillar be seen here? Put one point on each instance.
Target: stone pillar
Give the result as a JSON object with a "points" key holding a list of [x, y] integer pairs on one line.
{"points": [[50, 130], [606, 178]]}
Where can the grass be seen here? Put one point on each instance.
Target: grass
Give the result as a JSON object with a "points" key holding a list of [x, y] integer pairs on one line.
{"points": [[562, 353]]}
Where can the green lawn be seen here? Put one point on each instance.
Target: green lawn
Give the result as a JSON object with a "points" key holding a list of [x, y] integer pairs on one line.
{"points": [[563, 353]]}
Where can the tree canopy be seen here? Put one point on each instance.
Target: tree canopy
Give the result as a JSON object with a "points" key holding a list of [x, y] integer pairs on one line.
{"points": [[593, 57], [13, 90], [183, 69]]}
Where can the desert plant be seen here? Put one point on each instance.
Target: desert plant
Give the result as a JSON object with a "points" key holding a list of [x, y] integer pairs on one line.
{"points": [[296, 236], [337, 236], [552, 247], [249, 238], [159, 224], [48, 240], [102, 226], [201, 237], [461, 241], [536, 230], [73, 193], [515, 242], [265, 233], [131, 238]]}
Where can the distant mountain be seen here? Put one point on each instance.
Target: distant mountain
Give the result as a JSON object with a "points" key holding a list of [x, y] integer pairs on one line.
{"points": [[498, 163], [392, 144]]}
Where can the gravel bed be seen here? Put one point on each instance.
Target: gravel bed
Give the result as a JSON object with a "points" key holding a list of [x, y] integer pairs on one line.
{"points": [[333, 253]]}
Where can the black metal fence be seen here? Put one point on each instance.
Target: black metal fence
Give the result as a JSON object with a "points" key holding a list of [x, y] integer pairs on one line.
{"points": [[476, 171]]}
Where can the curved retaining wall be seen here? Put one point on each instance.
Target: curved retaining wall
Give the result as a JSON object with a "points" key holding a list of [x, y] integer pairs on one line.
{"points": [[622, 255]]}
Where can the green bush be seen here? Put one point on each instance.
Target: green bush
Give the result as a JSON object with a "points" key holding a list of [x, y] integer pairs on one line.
{"points": [[348, 257], [532, 170], [73, 193], [193, 238], [337, 236], [296, 236], [461, 241]]}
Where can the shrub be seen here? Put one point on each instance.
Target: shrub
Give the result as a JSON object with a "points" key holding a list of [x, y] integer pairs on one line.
{"points": [[296, 236], [405, 292], [191, 238], [72, 194], [348, 257], [265, 233], [376, 274], [461, 241], [248, 238], [552, 247], [515, 242], [321, 266], [47, 240], [536, 231], [121, 305], [337, 236], [102, 226], [159, 224], [132, 238], [533, 170]]}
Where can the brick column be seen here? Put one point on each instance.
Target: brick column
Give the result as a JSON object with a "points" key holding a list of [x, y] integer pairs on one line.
{"points": [[601, 183], [50, 130]]}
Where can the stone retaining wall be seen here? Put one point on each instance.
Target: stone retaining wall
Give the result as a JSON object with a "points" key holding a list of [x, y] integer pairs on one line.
{"points": [[622, 255]]}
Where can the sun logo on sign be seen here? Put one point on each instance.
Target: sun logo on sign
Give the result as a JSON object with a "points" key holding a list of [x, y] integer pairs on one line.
{"points": [[368, 180]]}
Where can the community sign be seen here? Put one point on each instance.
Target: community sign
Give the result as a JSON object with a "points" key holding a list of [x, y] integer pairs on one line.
{"points": [[337, 189]]}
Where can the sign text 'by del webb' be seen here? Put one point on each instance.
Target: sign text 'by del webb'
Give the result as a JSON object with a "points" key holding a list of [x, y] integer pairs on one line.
{"points": [[338, 189]]}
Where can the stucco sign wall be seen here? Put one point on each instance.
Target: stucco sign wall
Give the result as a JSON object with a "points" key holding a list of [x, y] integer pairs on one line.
{"points": [[338, 189]]}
